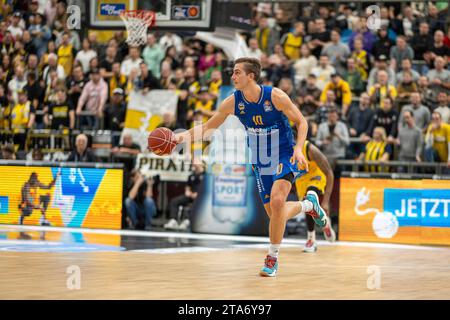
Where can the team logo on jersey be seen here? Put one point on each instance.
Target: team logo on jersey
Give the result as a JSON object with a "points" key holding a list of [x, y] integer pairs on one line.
{"points": [[241, 107], [267, 106]]}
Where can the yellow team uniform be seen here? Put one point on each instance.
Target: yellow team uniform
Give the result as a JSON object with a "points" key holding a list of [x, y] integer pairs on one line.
{"points": [[18, 116], [3, 118], [194, 88], [120, 82], [441, 138], [214, 87], [263, 38], [362, 63], [342, 91], [65, 58], [385, 91], [204, 106], [292, 46], [374, 151], [313, 178]]}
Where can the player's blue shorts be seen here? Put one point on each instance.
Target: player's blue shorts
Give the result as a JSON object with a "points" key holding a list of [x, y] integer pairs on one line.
{"points": [[265, 180]]}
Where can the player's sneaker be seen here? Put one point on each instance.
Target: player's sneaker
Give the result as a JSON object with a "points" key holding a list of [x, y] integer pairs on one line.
{"points": [[318, 214], [270, 267], [310, 246], [328, 232], [184, 225], [44, 222], [172, 224]]}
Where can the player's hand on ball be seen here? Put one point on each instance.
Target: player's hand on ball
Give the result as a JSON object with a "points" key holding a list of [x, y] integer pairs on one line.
{"points": [[182, 137]]}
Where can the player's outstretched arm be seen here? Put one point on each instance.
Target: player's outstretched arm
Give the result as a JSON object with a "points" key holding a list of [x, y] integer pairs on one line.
{"points": [[204, 130], [283, 103]]}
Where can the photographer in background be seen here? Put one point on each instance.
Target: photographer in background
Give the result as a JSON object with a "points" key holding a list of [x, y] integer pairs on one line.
{"points": [[139, 202], [190, 194]]}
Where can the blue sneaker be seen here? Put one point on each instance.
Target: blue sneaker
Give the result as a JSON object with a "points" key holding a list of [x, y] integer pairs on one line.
{"points": [[318, 214], [270, 267]]}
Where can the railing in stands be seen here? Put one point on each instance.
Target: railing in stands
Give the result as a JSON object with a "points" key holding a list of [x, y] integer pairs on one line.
{"points": [[438, 169]]}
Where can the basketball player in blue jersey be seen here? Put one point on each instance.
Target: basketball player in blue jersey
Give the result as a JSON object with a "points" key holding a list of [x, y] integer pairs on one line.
{"points": [[265, 112]]}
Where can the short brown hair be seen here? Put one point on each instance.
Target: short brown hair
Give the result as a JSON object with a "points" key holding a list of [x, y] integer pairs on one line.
{"points": [[251, 65]]}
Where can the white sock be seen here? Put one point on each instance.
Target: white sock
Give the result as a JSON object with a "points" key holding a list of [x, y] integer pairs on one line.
{"points": [[307, 206], [311, 235], [274, 250]]}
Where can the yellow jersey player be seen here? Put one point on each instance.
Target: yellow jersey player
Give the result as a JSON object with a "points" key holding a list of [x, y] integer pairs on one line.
{"points": [[318, 179]]}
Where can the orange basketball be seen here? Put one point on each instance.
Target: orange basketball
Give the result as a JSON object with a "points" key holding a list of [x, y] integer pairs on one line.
{"points": [[161, 141], [193, 11]]}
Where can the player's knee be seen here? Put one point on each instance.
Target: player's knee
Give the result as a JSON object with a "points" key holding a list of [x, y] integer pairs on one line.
{"points": [[276, 204]]}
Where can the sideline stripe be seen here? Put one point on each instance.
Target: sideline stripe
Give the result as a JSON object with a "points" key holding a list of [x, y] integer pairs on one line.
{"points": [[201, 236]]}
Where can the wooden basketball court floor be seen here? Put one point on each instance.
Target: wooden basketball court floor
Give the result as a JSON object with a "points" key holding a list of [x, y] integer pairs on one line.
{"points": [[39, 263]]}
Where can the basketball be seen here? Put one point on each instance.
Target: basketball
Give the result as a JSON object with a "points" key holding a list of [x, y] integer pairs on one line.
{"points": [[161, 141]]}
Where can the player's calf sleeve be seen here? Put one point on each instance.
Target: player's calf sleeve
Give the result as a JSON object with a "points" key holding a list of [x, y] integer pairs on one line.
{"points": [[310, 223]]}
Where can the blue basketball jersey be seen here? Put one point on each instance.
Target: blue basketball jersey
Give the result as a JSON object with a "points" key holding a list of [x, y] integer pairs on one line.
{"points": [[270, 139], [267, 128]]}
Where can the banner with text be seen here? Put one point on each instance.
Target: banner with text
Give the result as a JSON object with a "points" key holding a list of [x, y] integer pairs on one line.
{"points": [[399, 211], [169, 168], [145, 112]]}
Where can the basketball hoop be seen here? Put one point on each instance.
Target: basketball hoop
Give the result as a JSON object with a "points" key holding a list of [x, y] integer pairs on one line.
{"points": [[137, 23]]}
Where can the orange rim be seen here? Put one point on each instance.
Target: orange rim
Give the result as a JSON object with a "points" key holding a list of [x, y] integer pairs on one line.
{"points": [[147, 15]]}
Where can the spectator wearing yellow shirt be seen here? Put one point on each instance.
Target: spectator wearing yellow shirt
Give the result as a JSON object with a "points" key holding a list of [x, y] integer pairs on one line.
{"points": [[292, 41], [66, 53], [203, 110], [193, 85], [267, 36], [377, 149], [381, 90], [437, 140], [361, 59], [22, 115], [215, 83], [342, 90], [117, 80], [204, 104]]}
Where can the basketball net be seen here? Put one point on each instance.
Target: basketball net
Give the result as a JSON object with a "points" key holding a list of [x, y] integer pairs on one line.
{"points": [[137, 23]]}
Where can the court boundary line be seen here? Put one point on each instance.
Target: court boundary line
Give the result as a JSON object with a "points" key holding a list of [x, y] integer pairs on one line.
{"points": [[218, 237]]}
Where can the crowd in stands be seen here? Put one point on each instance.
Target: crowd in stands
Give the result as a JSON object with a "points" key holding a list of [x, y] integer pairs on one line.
{"points": [[367, 94], [374, 95]]}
